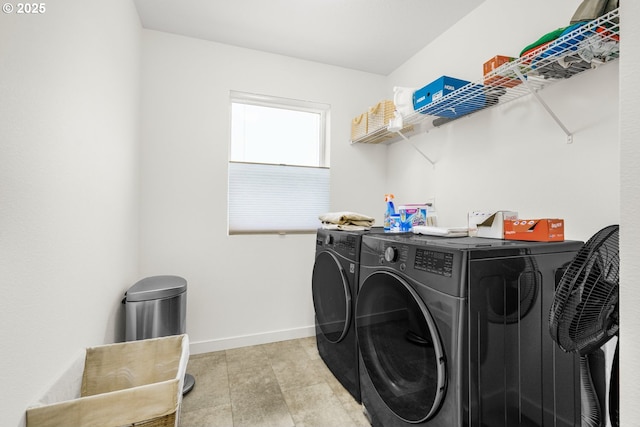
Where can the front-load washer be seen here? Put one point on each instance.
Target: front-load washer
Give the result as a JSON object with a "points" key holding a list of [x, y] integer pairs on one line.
{"points": [[453, 332], [334, 288]]}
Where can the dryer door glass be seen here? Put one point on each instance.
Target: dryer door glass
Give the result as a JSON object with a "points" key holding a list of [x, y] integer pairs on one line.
{"points": [[331, 297], [400, 347]]}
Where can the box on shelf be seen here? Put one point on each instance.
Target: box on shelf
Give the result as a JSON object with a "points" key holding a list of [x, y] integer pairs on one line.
{"points": [[131, 383], [489, 224], [535, 230], [468, 98], [499, 80], [359, 126], [379, 115]]}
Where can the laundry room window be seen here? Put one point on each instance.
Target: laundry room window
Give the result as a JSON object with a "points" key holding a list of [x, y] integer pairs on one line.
{"points": [[278, 164]]}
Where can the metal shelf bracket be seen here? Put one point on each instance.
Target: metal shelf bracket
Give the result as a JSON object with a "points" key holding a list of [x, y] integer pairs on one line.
{"points": [[396, 126], [545, 105], [415, 147]]}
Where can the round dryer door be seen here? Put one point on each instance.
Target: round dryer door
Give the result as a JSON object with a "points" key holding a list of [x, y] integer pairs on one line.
{"points": [[400, 347], [331, 297]]}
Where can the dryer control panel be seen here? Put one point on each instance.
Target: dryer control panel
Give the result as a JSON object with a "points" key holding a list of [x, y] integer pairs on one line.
{"points": [[345, 244]]}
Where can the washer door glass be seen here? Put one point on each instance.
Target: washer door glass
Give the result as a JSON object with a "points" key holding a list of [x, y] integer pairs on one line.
{"points": [[331, 297], [400, 347]]}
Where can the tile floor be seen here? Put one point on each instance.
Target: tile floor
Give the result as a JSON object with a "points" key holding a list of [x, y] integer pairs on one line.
{"points": [[283, 384]]}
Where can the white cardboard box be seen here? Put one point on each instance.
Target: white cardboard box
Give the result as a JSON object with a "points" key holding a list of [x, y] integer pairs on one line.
{"points": [[489, 224]]}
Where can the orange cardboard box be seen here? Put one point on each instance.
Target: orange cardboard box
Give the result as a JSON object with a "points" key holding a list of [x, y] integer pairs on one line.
{"points": [[535, 230], [498, 80]]}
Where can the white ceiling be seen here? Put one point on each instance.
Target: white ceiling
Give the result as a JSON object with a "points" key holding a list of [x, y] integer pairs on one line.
{"points": [[376, 36]]}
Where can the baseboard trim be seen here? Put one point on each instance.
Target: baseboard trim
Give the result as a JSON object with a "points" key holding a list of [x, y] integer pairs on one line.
{"points": [[208, 346]]}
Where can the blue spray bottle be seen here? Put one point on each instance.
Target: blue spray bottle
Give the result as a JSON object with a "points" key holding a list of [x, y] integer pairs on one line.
{"points": [[388, 198]]}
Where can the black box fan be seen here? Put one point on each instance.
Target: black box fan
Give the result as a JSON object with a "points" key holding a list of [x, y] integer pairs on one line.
{"points": [[584, 316]]}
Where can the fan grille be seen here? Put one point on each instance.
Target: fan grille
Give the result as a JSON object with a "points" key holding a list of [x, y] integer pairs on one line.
{"points": [[584, 313]]}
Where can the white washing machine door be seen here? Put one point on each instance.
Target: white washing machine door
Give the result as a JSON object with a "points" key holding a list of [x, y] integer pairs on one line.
{"points": [[331, 297], [400, 347]]}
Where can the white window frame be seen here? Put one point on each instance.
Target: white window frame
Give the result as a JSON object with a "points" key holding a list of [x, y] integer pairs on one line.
{"points": [[296, 105], [283, 209]]}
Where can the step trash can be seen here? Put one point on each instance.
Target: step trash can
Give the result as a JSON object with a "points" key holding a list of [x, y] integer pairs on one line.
{"points": [[157, 307]]}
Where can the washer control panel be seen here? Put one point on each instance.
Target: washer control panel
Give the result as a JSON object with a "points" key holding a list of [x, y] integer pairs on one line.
{"points": [[427, 260], [430, 263], [434, 262], [393, 253]]}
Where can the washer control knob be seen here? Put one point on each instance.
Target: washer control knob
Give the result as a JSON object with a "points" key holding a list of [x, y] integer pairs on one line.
{"points": [[391, 254], [328, 239]]}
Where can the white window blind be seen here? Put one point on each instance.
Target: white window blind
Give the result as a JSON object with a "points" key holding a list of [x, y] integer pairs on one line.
{"points": [[275, 198], [278, 172]]}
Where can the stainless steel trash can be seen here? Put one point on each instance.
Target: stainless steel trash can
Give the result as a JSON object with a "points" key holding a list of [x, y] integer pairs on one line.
{"points": [[157, 307]]}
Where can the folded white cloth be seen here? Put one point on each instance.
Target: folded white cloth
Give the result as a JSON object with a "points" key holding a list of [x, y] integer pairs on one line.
{"points": [[441, 231], [351, 218]]}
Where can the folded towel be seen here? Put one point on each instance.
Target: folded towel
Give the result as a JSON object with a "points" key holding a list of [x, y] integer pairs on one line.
{"points": [[344, 227], [351, 218]]}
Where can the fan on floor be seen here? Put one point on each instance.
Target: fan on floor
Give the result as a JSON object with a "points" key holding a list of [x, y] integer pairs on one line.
{"points": [[584, 316]]}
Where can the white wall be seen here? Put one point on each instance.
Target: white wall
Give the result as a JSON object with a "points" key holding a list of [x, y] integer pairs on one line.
{"points": [[69, 106], [241, 289], [629, 225], [515, 156]]}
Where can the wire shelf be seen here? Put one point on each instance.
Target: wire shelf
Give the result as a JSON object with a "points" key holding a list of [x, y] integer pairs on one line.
{"points": [[584, 46]]}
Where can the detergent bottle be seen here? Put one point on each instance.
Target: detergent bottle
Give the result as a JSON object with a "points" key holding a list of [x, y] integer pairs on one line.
{"points": [[391, 210]]}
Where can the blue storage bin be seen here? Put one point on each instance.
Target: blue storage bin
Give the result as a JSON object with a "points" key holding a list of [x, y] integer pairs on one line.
{"points": [[467, 100]]}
